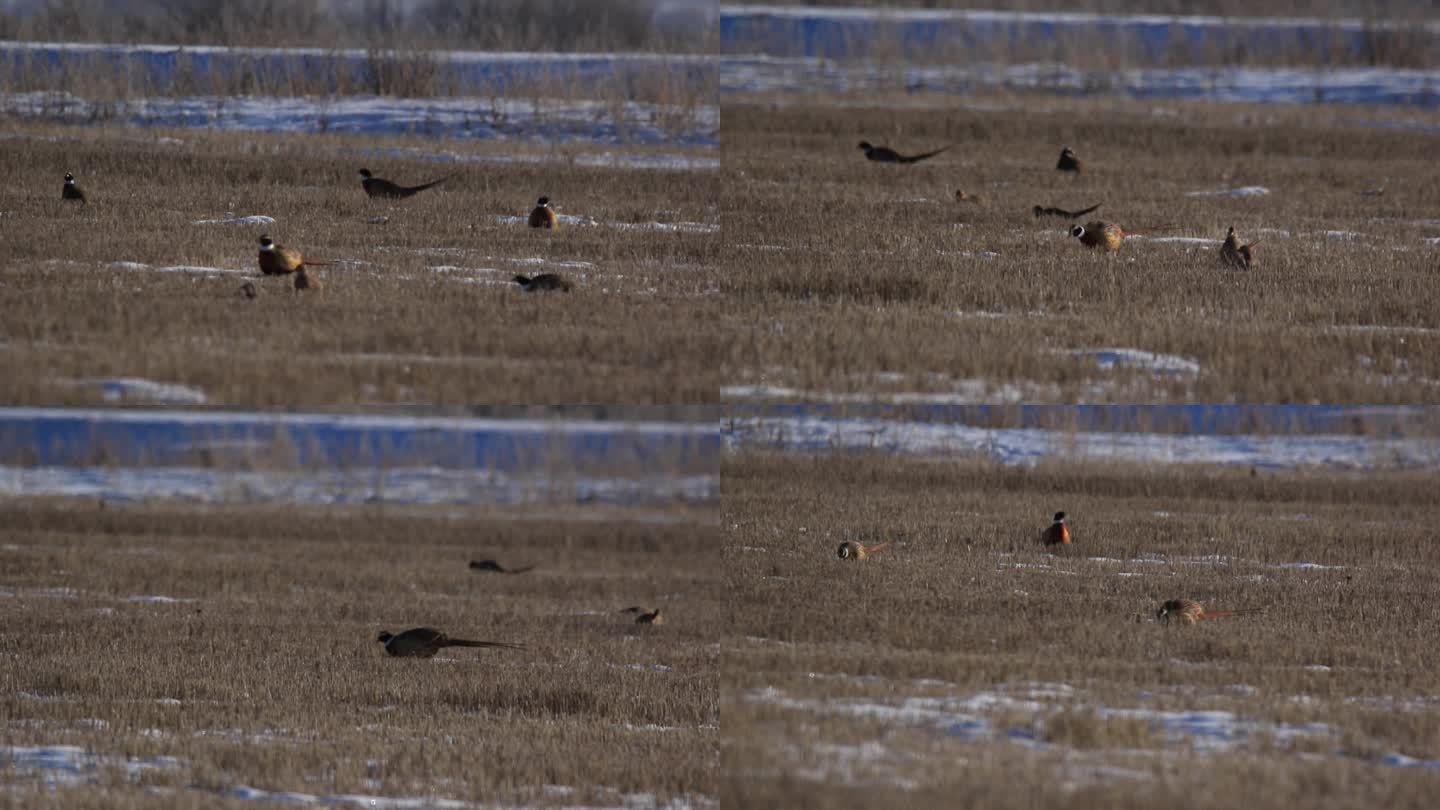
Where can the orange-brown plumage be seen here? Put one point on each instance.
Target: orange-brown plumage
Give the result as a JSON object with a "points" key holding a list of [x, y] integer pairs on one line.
{"points": [[858, 551], [278, 260], [1057, 533], [1191, 612], [1235, 254], [1105, 235]]}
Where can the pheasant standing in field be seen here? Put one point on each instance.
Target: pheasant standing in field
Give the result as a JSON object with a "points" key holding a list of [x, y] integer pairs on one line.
{"points": [[71, 191], [645, 615], [1107, 235], [495, 567], [1068, 162], [378, 187], [858, 551], [544, 216], [1235, 254], [424, 642], [277, 260], [884, 154], [1191, 612], [1057, 533]]}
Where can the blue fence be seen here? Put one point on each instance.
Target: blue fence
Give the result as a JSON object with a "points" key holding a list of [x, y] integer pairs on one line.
{"points": [[1192, 419], [135, 437]]}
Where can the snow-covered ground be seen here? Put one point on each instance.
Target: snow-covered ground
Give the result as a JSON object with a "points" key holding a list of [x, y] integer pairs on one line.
{"points": [[760, 74], [530, 120], [1032, 445], [417, 485]]}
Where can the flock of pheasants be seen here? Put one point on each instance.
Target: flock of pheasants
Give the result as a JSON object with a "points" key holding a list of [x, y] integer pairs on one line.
{"points": [[278, 260], [1105, 235], [1057, 536]]}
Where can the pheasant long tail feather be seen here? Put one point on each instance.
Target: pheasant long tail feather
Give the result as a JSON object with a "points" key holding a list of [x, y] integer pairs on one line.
{"points": [[918, 158], [1210, 614], [460, 642], [1151, 229], [1081, 213], [878, 546], [315, 263]]}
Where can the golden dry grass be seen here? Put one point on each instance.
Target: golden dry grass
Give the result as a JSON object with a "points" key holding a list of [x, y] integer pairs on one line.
{"points": [[852, 684], [388, 327], [872, 277], [267, 673]]}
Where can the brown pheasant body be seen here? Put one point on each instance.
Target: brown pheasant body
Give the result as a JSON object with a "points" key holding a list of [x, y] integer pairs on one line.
{"points": [[1057, 533], [858, 551], [1236, 255], [1191, 612], [1068, 162], [278, 260], [304, 282], [1105, 235]]}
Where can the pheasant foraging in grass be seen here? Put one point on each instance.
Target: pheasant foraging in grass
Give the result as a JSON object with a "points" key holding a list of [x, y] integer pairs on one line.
{"points": [[645, 615], [1106, 235], [884, 154], [277, 260], [858, 551], [1068, 162], [377, 187], [71, 191], [424, 642], [544, 216], [1057, 533], [1190, 612], [493, 566], [1235, 254], [542, 282]]}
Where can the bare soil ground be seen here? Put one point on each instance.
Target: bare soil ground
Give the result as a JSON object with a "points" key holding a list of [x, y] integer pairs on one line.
{"points": [[422, 310], [262, 670], [849, 276], [966, 666]]}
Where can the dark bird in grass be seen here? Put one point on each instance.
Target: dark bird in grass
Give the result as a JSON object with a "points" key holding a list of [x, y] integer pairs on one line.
{"points": [[542, 282], [1068, 161], [424, 642], [544, 216], [1236, 255], [1057, 533], [378, 187], [884, 154], [495, 567], [71, 191], [645, 615], [1041, 211]]}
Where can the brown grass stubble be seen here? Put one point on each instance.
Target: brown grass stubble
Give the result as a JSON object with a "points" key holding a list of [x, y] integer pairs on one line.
{"points": [[864, 282], [282, 685], [944, 606], [385, 330]]}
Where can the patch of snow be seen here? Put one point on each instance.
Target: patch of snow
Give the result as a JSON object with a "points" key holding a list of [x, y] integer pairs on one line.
{"points": [[145, 598], [122, 389], [1137, 358], [1242, 191], [253, 219]]}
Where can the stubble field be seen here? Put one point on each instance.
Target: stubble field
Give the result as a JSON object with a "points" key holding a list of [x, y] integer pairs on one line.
{"points": [[165, 655], [965, 666], [143, 282], [855, 277]]}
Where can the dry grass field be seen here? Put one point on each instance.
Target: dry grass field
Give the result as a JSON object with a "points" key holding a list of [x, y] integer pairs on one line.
{"points": [[967, 667], [421, 310], [209, 658], [849, 276]]}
